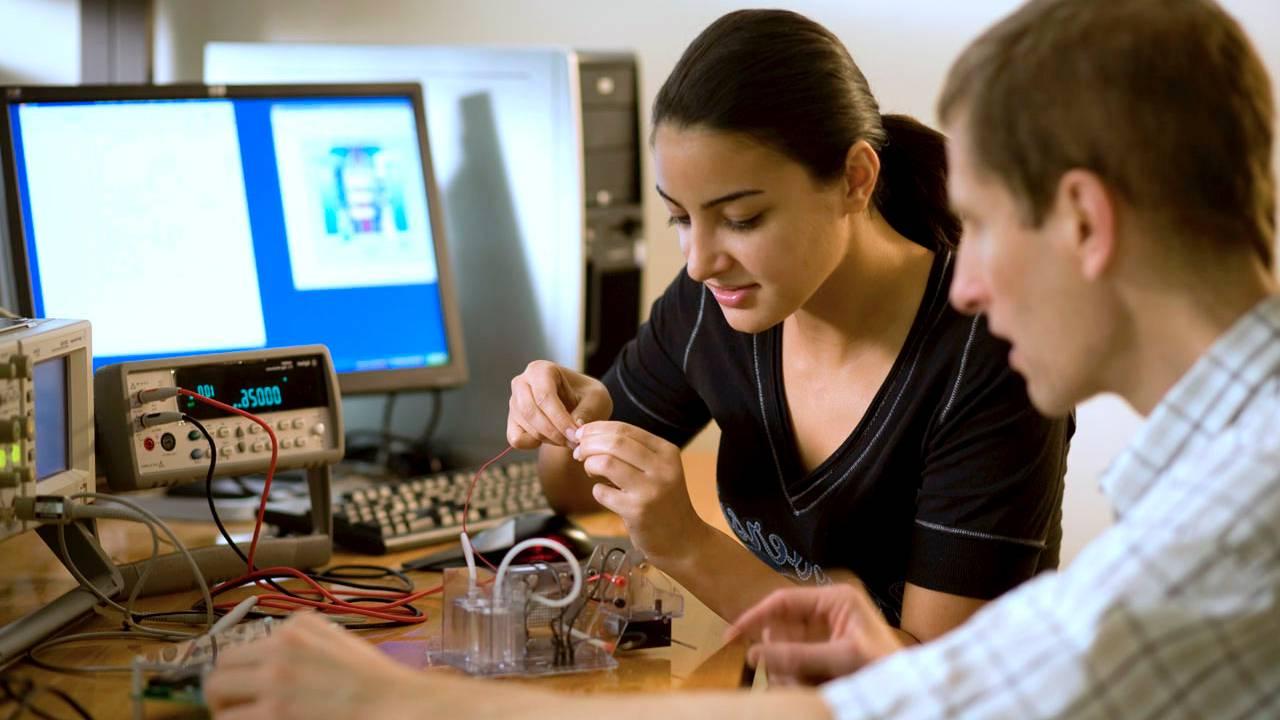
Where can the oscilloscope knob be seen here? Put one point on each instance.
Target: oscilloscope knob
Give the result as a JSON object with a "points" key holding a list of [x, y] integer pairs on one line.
{"points": [[18, 368], [16, 428], [15, 477]]}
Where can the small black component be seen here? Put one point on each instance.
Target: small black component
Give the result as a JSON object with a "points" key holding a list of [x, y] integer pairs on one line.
{"points": [[646, 630]]}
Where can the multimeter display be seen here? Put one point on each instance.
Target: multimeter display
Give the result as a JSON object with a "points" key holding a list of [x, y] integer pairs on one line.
{"points": [[255, 387]]}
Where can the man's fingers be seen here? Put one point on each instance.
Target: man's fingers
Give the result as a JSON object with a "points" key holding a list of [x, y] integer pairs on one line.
{"points": [[231, 686], [790, 605], [808, 662]]}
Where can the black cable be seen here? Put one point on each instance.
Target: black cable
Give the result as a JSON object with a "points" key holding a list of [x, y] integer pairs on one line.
{"points": [[384, 445], [348, 574], [208, 489], [339, 574], [433, 420], [26, 697], [213, 507]]}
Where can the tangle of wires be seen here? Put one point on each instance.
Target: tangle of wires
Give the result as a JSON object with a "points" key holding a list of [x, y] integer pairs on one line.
{"points": [[389, 605], [386, 605], [599, 585], [23, 693]]}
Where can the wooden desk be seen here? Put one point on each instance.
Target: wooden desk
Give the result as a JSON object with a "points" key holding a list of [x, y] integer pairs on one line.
{"points": [[31, 577]]}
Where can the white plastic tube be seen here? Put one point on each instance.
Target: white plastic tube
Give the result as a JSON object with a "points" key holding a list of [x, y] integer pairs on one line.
{"points": [[550, 545], [469, 554]]}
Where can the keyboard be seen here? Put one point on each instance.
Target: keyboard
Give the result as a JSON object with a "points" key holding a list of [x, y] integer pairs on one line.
{"points": [[391, 515]]}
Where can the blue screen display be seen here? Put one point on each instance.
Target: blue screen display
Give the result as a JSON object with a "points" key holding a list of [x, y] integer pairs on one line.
{"points": [[50, 381], [181, 227]]}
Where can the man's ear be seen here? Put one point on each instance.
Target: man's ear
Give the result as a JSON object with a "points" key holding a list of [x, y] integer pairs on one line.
{"points": [[1087, 207], [861, 171]]}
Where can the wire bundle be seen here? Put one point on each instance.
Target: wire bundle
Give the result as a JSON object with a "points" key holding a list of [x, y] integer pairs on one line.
{"points": [[389, 605]]}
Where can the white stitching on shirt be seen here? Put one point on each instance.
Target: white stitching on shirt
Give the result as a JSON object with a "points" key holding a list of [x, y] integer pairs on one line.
{"points": [[631, 396], [906, 382], [964, 360], [980, 535], [764, 421], [702, 303]]}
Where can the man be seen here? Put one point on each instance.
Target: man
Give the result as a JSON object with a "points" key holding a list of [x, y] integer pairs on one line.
{"points": [[1111, 160]]}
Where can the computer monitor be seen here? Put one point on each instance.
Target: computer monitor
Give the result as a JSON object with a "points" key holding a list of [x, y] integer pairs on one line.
{"points": [[506, 145], [193, 219]]}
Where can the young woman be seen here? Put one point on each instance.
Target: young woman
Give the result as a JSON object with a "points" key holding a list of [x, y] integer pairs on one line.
{"points": [[866, 426]]}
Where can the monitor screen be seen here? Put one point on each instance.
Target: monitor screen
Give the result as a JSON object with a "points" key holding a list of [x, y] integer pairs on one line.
{"points": [[189, 219], [49, 379]]}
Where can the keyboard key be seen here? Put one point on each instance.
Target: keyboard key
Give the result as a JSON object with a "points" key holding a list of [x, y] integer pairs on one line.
{"points": [[410, 513]]}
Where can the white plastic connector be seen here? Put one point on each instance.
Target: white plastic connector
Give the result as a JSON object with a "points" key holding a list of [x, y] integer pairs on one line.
{"points": [[154, 394], [43, 508], [550, 545], [469, 554], [159, 418]]}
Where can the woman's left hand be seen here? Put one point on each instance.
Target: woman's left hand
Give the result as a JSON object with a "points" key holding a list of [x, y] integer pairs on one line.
{"points": [[648, 488]]}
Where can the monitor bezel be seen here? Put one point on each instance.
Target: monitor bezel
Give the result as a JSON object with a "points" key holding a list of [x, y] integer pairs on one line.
{"points": [[451, 374]]}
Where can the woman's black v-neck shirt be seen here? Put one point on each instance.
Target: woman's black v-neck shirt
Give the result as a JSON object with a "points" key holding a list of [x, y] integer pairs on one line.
{"points": [[952, 481]]}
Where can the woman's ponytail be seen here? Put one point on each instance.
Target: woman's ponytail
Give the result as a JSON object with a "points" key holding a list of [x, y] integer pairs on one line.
{"points": [[911, 194]]}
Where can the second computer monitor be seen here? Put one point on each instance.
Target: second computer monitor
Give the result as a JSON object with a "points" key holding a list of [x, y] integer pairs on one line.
{"points": [[192, 219]]}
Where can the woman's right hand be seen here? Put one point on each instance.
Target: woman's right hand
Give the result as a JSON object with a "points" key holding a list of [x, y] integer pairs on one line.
{"points": [[548, 401]]}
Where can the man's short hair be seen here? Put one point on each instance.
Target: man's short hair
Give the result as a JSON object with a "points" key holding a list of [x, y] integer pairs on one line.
{"points": [[1166, 100]]}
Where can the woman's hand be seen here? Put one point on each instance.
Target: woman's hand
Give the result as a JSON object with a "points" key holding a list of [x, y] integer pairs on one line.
{"points": [[808, 635], [549, 402], [648, 487]]}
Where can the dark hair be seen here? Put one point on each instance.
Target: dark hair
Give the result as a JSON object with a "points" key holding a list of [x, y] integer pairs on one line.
{"points": [[1167, 102], [789, 83]]}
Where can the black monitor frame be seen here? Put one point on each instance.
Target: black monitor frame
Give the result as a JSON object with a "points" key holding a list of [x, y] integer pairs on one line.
{"points": [[451, 374]]}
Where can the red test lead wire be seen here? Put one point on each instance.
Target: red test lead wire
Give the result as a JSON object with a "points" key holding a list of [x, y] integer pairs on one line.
{"points": [[271, 468], [466, 506]]}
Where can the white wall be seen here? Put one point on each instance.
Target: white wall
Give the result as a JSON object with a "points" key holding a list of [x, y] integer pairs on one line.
{"points": [[903, 46], [39, 41]]}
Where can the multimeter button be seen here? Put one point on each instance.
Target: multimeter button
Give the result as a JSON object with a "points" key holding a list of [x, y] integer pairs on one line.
{"points": [[258, 446], [285, 443], [240, 431], [223, 431], [193, 435], [255, 429], [317, 429], [300, 442], [226, 451], [240, 446], [282, 425], [149, 444], [297, 423], [197, 453], [168, 441]]}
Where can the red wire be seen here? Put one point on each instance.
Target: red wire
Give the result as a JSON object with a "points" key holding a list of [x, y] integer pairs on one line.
{"points": [[271, 469], [466, 507], [330, 602]]}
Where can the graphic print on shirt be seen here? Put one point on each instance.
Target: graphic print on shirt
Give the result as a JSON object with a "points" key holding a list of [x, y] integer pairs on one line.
{"points": [[775, 550]]}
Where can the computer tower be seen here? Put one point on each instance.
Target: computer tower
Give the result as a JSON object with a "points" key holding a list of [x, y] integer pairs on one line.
{"points": [[614, 233]]}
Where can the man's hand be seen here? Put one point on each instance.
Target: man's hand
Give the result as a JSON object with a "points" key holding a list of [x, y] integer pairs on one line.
{"points": [[810, 635], [309, 668]]}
